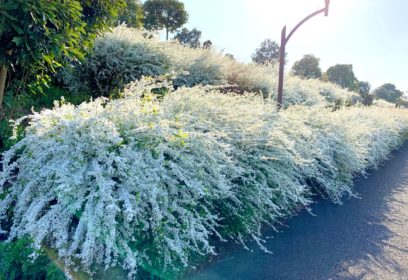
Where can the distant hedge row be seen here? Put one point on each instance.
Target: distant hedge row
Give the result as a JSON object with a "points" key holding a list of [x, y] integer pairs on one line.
{"points": [[126, 54]]}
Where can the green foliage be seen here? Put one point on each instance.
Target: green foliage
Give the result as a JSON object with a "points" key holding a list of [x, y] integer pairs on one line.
{"points": [[364, 87], [207, 44], [367, 99], [308, 67], [39, 32], [343, 75], [167, 14], [21, 104], [35, 36], [388, 92], [189, 38], [99, 15], [267, 53], [38, 36], [364, 91], [16, 262], [132, 15]]}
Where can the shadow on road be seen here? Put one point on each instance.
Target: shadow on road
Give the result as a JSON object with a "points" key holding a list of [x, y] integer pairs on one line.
{"points": [[361, 239]]}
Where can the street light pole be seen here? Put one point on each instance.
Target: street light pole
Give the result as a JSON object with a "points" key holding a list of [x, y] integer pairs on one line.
{"points": [[282, 48]]}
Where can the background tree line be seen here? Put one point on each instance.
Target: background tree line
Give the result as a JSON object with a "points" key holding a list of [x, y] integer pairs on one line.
{"points": [[308, 67]]}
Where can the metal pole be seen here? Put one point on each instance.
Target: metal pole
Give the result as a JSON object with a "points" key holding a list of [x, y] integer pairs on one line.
{"points": [[282, 48], [281, 67]]}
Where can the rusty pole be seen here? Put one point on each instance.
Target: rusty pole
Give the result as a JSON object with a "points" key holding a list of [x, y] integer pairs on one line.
{"points": [[284, 41]]}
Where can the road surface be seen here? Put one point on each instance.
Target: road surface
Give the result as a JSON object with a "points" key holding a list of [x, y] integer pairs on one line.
{"points": [[364, 238]]}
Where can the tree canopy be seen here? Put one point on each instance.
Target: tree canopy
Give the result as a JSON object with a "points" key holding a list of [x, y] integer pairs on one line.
{"points": [[343, 75], [99, 15], [364, 87], [207, 44], [388, 92], [189, 38], [167, 14], [307, 67], [364, 92], [268, 52], [132, 15], [37, 35]]}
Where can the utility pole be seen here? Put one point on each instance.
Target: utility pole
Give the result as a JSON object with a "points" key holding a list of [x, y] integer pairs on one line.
{"points": [[284, 41]]}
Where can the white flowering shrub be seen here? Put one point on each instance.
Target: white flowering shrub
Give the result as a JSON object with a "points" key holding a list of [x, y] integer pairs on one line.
{"points": [[382, 103], [147, 183], [125, 54], [313, 92], [115, 61], [202, 71]]}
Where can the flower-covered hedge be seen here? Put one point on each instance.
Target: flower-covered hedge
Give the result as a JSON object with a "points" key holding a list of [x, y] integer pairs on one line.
{"points": [[126, 54], [115, 61], [148, 182]]}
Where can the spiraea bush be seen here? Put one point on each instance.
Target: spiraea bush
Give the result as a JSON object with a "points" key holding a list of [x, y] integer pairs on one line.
{"points": [[125, 54], [148, 182], [113, 62]]}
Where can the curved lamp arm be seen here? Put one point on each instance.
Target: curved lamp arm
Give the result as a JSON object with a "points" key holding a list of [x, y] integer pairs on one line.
{"points": [[285, 39]]}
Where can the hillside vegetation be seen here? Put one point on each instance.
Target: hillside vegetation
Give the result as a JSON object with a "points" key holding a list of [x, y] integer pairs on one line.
{"points": [[151, 179], [126, 54]]}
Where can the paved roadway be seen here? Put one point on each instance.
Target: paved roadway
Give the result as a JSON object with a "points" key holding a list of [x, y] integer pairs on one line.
{"points": [[364, 238]]}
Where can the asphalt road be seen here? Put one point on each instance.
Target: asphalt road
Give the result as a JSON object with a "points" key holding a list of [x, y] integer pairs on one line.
{"points": [[364, 238]]}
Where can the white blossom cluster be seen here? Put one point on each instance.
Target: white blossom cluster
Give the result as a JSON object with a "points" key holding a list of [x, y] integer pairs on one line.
{"points": [[144, 181], [125, 54], [113, 62]]}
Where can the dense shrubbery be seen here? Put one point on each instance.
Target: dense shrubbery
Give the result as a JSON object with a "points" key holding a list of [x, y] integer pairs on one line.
{"points": [[148, 181], [17, 262], [113, 63], [21, 104], [126, 54]]}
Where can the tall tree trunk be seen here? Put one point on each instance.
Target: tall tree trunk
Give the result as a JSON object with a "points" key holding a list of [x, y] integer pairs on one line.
{"points": [[167, 34], [3, 76]]}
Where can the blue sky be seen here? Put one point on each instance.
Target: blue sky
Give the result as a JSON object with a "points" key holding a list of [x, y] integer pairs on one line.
{"points": [[370, 34]]}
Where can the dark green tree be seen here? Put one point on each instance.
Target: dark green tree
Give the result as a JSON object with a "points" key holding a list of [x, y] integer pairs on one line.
{"points": [[268, 52], [364, 87], [364, 92], [167, 14], [307, 67], [207, 44], [132, 15], [99, 15], [388, 92], [35, 34], [189, 38], [343, 75], [38, 36]]}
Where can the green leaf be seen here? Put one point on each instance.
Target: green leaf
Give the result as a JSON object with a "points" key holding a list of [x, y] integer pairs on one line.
{"points": [[17, 28], [18, 40]]}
